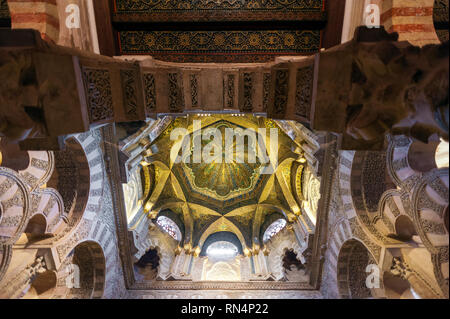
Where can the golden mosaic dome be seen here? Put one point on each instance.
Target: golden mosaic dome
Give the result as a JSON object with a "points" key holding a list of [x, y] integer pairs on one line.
{"points": [[223, 178]]}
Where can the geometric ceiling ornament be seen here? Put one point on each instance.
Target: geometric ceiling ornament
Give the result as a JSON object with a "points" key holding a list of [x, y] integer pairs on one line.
{"points": [[224, 179], [222, 31], [224, 183]]}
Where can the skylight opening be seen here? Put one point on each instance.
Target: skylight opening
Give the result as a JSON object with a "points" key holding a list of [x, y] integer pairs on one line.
{"points": [[274, 229], [222, 251], [169, 226]]}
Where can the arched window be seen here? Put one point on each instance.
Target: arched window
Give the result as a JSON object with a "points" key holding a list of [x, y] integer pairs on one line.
{"points": [[274, 229], [169, 226], [222, 251]]}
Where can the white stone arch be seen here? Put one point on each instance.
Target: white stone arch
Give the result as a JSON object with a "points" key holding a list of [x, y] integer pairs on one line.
{"points": [[393, 206], [71, 282], [94, 221], [352, 282], [88, 158], [398, 164], [345, 166], [164, 244], [15, 206], [277, 246], [39, 170], [49, 203], [429, 203], [429, 206]]}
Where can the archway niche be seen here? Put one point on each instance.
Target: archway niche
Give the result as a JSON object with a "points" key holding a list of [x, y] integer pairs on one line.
{"points": [[82, 273], [71, 177], [404, 228], [293, 268], [36, 227], [146, 268], [353, 260], [369, 180]]}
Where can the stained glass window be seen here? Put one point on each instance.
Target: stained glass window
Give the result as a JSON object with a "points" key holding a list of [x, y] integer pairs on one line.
{"points": [[169, 226], [274, 229]]}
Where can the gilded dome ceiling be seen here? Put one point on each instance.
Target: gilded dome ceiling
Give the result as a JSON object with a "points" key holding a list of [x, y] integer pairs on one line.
{"points": [[227, 193], [221, 178]]}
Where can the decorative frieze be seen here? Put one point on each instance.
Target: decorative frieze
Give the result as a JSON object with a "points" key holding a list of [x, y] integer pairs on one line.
{"points": [[267, 79], [99, 94], [304, 90], [176, 104], [194, 90], [150, 92], [247, 92], [129, 91], [281, 90], [230, 89]]}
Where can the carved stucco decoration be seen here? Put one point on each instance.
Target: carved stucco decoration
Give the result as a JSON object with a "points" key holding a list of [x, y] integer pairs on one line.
{"points": [[430, 199], [150, 92], [40, 169], [281, 79], [141, 6], [130, 91], [304, 92], [99, 95], [274, 286]]}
